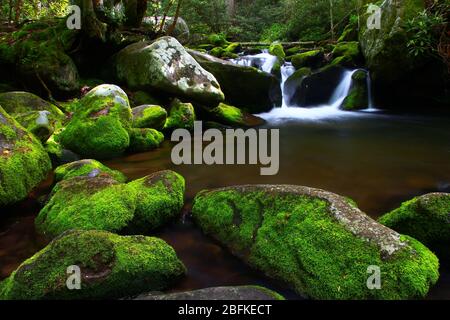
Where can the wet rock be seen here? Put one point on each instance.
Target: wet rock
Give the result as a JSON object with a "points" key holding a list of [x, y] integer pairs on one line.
{"points": [[234, 117], [165, 65], [145, 139], [100, 202], [149, 116], [262, 90], [358, 97], [87, 168], [111, 266], [318, 242], [181, 116], [311, 59], [217, 293], [23, 161]]}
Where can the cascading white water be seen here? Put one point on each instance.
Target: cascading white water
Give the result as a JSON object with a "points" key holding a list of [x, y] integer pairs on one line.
{"points": [[342, 90], [263, 61], [286, 71]]}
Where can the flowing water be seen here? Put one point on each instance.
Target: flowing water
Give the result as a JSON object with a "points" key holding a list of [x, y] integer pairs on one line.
{"points": [[377, 159]]}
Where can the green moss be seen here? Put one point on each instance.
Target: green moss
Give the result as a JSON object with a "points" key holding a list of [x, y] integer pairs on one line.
{"points": [[111, 267], [181, 115], [100, 125], [149, 116], [218, 40], [294, 238], [145, 139], [347, 49], [102, 203], [312, 59], [23, 161], [425, 218], [277, 50], [18, 102], [233, 47], [87, 167]]}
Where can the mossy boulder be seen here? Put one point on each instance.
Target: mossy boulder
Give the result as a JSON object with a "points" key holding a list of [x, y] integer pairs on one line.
{"points": [[145, 139], [218, 40], [111, 266], [103, 203], [293, 85], [318, 242], [37, 115], [358, 97], [37, 54], [312, 59], [425, 218], [234, 117], [347, 54], [23, 161], [164, 65], [86, 168], [100, 125], [262, 90], [149, 116], [350, 33], [181, 116], [276, 49], [218, 293]]}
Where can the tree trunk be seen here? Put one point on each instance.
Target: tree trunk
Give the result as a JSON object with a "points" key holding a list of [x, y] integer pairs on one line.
{"points": [[90, 25], [331, 20], [231, 8], [18, 11], [175, 19], [134, 12]]}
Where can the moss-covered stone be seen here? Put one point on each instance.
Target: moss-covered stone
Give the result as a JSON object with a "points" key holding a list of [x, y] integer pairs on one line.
{"points": [[347, 54], [425, 218], [181, 116], [102, 203], [88, 168], [100, 125], [111, 266], [350, 33], [262, 90], [149, 116], [311, 59], [234, 117], [218, 40], [317, 242], [276, 49], [358, 97], [23, 161], [145, 139], [164, 65]]}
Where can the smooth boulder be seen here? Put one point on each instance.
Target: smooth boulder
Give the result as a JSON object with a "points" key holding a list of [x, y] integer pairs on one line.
{"points": [[110, 266], [88, 168], [317, 242], [181, 116], [100, 125], [358, 97], [23, 161], [149, 116], [103, 203], [164, 65]]}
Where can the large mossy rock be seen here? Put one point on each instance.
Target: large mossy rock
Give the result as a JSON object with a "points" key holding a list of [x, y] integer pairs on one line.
{"points": [[262, 90], [311, 59], [145, 139], [86, 167], [37, 54], [110, 266], [318, 242], [164, 65], [218, 293], [425, 218], [100, 125], [102, 203], [401, 79], [347, 54], [358, 97], [23, 161], [149, 116], [35, 114], [293, 85]]}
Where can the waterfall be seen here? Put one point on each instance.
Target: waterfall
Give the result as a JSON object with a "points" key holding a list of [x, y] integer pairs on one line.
{"points": [[342, 90], [263, 61], [286, 71]]}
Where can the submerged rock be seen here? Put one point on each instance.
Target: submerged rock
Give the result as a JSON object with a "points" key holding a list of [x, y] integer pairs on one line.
{"points": [[247, 88], [100, 125], [165, 65], [86, 168], [217, 293], [149, 116], [425, 218], [316, 241], [181, 116], [23, 161], [358, 97], [145, 139], [102, 203], [111, 266]]}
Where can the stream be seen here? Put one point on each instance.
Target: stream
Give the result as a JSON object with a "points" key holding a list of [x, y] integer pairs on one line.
{"points": [[376, 158]]}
